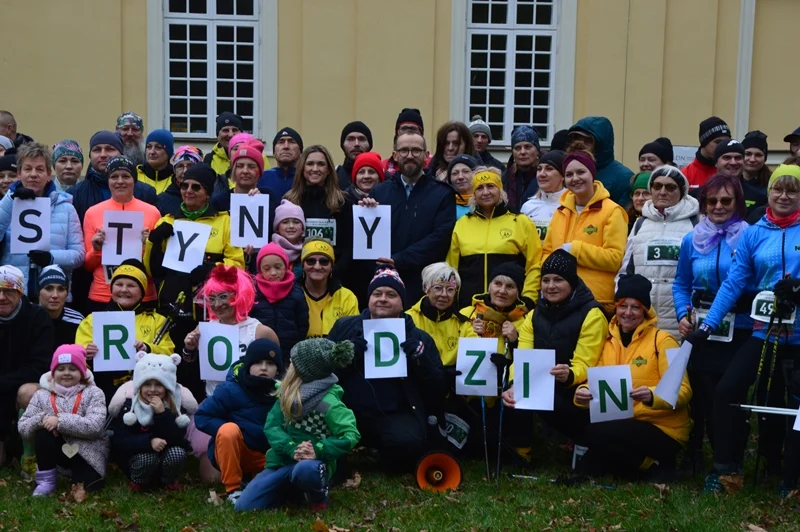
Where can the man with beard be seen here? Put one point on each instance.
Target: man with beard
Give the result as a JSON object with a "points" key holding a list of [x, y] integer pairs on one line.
{"points": [[67, 164], [356, 139], [423, 213], [130, 127], [287, 147]]}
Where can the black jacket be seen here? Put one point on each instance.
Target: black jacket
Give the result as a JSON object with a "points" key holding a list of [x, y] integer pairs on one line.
{"points": [[170, 200], [314, 206], [345, 173], [287, 317], [487, 159], [422, 393], [521, 191], [26, 348], [89, 192], [422, 226]]}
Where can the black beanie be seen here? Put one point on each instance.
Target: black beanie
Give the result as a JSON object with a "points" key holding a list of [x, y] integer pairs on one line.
{"points": [[122, 162], [513, 271], [563, 264], [732, 146], [410, 115], [229, 119], [8, 162], [711, 128], [756, 139], [263, 349], [203, 174], [636, 287], [289, 132], [356, 127], [463, 158], [554, 158], [661, 148], [560, 140]]}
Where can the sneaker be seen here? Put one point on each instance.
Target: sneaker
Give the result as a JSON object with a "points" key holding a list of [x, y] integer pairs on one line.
{"points": [[319, 506], [234, 496], [134, 487], [713, 485]]}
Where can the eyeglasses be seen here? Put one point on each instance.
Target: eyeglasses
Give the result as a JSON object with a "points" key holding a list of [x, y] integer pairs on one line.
{"points": [[725, 202], [221, 299], [196, 187], [415, 152], [671, 187], [777, 192], [439, 289], [322, 261]]}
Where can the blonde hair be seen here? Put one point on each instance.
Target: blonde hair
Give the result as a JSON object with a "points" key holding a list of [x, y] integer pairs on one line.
{"points": [[168, 400], [289, 395], [439, 272], [334, 197]]}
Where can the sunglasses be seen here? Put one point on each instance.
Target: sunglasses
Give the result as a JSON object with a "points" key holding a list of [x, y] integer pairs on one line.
{"points": [[671, 187], [196, 187], [725, 202], [313, 261]]}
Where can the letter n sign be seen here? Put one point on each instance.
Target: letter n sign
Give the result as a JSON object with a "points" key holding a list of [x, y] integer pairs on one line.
{"points": [[610, 386]]}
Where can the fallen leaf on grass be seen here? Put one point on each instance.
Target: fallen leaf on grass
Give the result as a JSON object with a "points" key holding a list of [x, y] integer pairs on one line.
{"points": [[77, 493], [448, 498], [352, 483], [108, 513], [334, 528], [320, 526], [213, 498], [732, 483], [663, 491], [371, 514], [755, 528]]}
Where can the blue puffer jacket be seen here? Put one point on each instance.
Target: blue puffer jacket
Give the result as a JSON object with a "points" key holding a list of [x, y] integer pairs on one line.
{"points": [[287, 317], [231, 402], [615, 176], [66, 235], [765, 254], [94, 189]]}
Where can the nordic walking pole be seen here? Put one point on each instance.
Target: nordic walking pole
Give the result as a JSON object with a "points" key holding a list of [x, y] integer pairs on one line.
{"points": [[485, 444], [502, 408], [761, 418]]}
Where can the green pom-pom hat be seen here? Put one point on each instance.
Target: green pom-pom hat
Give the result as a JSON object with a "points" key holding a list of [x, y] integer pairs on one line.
{"points": [[317, 358]]}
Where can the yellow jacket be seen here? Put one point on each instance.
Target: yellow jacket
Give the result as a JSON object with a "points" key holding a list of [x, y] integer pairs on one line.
{"points": [[598, 236], [148, 323], [591, 341], [323, 313], [444, 327], [647, 357], [160, 182], [493, 320], [220, 162], [479, 244]]}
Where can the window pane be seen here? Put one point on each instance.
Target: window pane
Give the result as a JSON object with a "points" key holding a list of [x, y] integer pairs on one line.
{"points": [[544, 131], [497, 131], [499, 42], [244, 108], [522, 97], [497, 79], [225, 33], [177, 32], [498, 60], [177, 106], [225, 52], [198, 124], [244, 52], [543, 43], [477, 96], [198, 88], [177, 50], [244, 90], [542, 62], [224, 105], [244, 72], [479, 60], [522, 79], [544, 15], [197, 33], [478, 78], [177, 69], [224, 70], [480, 42], [177, 124], [224, 7], [524, 14], [541, 97], [480, 13], [198, 70], [522, 115], [480, 111], [244, 7], [541, 80], [197, 6], [177, 88], [245, 34], [540, 116], [197, 51], [248, 124], [525, 43], [225, 89], [496, 114], [524, 61], [499, 13], [197, 107], [497, 97], [177, 6]]}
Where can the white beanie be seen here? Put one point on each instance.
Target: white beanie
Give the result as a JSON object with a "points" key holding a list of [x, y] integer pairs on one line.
{"points": [[163, 369]]}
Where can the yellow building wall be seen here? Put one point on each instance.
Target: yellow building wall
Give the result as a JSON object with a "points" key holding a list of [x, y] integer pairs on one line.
{"points": [[68, 72]]}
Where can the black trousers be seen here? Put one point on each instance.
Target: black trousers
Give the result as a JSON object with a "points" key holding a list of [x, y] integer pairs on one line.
{"points": [[517, 426], [400, 438], [622, 446], [49, 455], [566, 418], [8, 412]]}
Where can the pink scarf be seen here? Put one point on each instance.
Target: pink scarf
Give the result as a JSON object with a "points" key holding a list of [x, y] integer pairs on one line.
{"points": [[275, 291], [292, 250]]}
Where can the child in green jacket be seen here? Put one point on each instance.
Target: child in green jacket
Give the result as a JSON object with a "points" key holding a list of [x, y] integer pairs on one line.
{"points": [[308, 429]]}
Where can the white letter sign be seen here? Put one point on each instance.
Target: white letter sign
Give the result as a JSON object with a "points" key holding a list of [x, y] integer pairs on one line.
{"points": [[610, 387], [123, 236], [114, 334], [669, 386], [250, 220], [30, 225], [384, 359], [187, 246], [372, 232], [219, 350], [534, 387], [478, 374]]}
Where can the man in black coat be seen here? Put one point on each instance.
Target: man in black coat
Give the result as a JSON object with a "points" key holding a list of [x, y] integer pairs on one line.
{"points": [[423, 214], [356, 139], [392, 414], [26, 348]]}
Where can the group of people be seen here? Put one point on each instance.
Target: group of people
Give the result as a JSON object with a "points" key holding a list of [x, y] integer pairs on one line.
{"points": [[564, 250]]}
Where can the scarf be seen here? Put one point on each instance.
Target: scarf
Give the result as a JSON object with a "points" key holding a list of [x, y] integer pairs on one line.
{"points": [[494, 318], [194, 215], [292, 250], [782, 221], [67, 391], [259, 387], [311, 394], [434, 314], [463, 199], [275, 291], [13, 314], [707, 234]]}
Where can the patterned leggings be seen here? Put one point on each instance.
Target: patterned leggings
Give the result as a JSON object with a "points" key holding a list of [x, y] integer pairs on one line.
{"points": [[166, 466]]}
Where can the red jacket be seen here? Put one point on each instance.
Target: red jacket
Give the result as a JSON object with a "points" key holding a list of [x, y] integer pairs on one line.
{"points": [[698, 173]]}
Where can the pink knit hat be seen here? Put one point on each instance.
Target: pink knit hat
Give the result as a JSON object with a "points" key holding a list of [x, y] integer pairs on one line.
{"points": [[250, 150], [285, 210], [239, 138], [272, 249], [70, 354]]}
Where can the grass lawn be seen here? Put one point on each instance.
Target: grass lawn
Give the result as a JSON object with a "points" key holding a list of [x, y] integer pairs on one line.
{"points": [[395, 504]]}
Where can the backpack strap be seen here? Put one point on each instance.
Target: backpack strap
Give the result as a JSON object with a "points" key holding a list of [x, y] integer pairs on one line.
{"points": [[209, 157], [638, 225]]}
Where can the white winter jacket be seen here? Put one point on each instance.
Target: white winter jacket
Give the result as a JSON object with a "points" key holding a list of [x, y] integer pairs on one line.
{"points": [[653, 253], [540, 209]]}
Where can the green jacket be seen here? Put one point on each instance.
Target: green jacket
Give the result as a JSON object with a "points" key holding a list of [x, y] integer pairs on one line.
{"points": [[331, 428]]}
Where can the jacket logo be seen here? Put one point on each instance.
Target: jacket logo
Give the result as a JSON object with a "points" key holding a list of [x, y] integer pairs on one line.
{"points": [[797, 248], [639, 361], [146, 330], [337, 312], [506, 233], [452, 342], [214, 231], [590, 230]]}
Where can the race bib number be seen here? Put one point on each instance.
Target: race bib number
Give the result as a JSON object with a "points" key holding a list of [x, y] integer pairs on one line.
{"points": [[723, 333], [457, 430], [321, 228], [108, 271], [541, 228], [662, 252], [763, 306]]}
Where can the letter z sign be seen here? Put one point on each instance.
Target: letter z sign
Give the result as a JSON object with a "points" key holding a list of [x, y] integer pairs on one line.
{"points": [[478, 374]]}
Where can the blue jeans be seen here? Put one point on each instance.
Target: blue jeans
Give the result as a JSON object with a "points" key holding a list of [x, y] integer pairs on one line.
{"points": [[270, 487]]}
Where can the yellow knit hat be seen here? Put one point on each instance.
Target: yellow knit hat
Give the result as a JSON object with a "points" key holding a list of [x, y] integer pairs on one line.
{"points": [[132, 269], [783, 170]]}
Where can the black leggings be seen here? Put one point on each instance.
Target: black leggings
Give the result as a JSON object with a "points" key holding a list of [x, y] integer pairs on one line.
{"points": [[49, 455], [622, 446], [567, 418]]}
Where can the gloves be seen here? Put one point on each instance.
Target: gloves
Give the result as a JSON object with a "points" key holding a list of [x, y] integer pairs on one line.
{"points": [[413, 348], [699, 336], [450, 372], [23, 193], [40, 258], [359, 344], [500, 361], [161, 233], [788, 289], [784, 308], [200, 273]]}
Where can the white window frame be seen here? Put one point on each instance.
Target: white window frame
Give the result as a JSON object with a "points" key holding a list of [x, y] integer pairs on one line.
{"points": [[562, 79], [265, 90]]}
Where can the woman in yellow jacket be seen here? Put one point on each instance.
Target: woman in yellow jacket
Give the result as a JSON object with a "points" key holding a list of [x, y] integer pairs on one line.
{"points": [[327, 299], [128, 285], [650, 441], [591, 227], [490, 235]]}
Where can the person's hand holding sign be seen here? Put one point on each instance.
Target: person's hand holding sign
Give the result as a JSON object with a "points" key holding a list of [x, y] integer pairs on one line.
{"points": [[98, 239], [583, 396]]}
